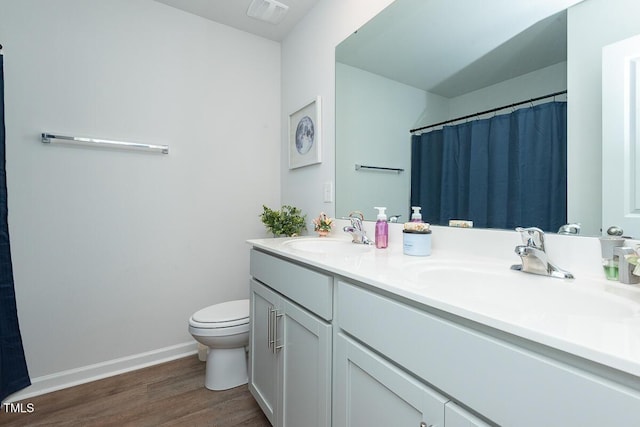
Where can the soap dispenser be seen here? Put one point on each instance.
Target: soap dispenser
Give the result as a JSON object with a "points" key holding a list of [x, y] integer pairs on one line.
{"points": [[610, 259], [416, 216], [382, 229]]}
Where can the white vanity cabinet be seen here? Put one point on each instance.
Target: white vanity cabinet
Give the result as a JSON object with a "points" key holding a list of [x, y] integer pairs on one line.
{"points": [[507, 380], [334, 347], [290, 342]]}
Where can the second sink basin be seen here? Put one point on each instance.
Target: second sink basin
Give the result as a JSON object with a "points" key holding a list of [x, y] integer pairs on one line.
{"points": [[517, 295]]}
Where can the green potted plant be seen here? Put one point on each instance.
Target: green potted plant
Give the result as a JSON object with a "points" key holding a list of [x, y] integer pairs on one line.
{"points": [[288, 221]]}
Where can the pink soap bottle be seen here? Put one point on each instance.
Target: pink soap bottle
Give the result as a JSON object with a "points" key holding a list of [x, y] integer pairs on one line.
{"points": [[416, 216], [382, 229]]}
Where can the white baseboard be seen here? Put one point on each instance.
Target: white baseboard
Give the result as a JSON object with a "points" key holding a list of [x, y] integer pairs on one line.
{"points": [[85, 374]]}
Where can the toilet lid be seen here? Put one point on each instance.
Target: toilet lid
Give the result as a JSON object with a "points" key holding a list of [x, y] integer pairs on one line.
{"points": [[229, 313]]}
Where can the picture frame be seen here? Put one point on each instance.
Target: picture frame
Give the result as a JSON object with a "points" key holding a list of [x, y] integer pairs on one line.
{"points": [[305, 135]]}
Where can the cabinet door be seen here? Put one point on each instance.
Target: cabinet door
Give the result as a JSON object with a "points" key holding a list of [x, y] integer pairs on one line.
{"points": [[306, 369], [455, 416], [263, 363], [369, 391]]}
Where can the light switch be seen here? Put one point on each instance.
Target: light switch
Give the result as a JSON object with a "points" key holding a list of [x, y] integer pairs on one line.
{"points": [[328, 192]]}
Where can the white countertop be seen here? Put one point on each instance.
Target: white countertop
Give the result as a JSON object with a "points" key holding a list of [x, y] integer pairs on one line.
{"points": [[610, 336]]}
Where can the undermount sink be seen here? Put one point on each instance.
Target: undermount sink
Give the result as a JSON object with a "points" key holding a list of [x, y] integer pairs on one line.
{"points": [[518, 296], [326, 245]]}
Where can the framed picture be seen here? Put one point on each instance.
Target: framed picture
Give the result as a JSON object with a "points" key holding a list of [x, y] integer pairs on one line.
{"points": [[304, 135]]}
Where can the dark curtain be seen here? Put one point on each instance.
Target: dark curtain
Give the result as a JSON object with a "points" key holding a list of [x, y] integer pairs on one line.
{"points": [[13, 367], [503, 172]]}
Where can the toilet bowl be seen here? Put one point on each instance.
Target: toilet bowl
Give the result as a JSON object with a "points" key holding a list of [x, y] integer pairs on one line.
{"points": [[224, 329]]}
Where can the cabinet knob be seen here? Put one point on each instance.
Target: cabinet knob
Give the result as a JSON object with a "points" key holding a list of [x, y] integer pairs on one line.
{"points": [[423, 424]]}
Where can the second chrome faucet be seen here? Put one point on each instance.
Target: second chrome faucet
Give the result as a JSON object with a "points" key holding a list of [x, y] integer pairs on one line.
{"points": [[534, 257]]}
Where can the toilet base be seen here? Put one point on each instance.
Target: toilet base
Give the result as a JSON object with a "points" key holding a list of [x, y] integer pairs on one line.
{"points": [[226, 368], [203, 350]]}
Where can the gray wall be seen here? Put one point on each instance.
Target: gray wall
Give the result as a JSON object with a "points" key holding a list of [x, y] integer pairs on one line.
{"points": [[308, 70], [113, 251]]}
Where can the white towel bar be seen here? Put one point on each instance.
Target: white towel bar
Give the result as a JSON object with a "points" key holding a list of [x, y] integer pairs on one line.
{"points": [[48, 138]]}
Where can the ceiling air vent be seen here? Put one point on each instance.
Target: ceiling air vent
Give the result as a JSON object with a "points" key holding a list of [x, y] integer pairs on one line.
{"points": [[268, 10]]}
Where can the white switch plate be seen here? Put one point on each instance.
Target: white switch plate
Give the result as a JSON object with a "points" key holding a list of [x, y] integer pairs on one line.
{"points": [[328, 192]]}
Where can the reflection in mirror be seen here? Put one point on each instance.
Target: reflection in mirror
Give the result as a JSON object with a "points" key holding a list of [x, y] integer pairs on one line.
{"points": [[400, 72], [621, 162], [505, 171]]}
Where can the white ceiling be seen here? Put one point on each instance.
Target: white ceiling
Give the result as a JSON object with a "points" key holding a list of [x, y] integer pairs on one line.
{"points": [[234, 14]]}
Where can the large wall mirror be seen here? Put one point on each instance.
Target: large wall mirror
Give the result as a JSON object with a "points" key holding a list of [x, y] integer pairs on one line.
{"points": [[421, 62]]}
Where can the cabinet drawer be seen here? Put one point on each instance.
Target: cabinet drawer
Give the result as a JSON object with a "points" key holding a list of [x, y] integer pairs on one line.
{"points": [[505, 383], [308, 288]]}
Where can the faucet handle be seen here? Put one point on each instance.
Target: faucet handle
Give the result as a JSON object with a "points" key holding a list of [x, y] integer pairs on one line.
{"points": [[356, 214], [532, 236]]}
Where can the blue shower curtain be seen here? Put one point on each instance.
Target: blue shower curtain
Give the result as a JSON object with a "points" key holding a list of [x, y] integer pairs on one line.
{"points": [[503, 172], [13, 367]]}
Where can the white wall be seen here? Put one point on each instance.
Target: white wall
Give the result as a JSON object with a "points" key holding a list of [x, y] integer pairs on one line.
{"points": [[592, 25], [308, 70], [373, 118], [113, 251], [544, 81]]}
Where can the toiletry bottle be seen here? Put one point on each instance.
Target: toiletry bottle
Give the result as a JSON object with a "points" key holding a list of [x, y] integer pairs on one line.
{"points": [[382, 229], [416, 216], [610, 261]]}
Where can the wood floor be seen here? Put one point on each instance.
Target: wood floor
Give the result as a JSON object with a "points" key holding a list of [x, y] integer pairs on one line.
{"points": [[170, 394]]}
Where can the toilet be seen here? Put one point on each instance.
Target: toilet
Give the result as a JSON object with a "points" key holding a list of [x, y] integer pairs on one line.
{"points": [[224, 329]]}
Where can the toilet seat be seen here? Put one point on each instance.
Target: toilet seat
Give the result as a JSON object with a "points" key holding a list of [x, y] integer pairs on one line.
{"points": [[224, 315]]}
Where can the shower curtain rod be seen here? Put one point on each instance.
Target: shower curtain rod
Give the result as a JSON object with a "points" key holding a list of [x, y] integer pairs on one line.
{"points": [[493, 110]]}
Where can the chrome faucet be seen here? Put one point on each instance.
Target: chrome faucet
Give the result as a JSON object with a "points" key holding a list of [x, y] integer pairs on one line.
{"points": [[357, 232], [534, 258], [394, 218], [571, 228]]}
